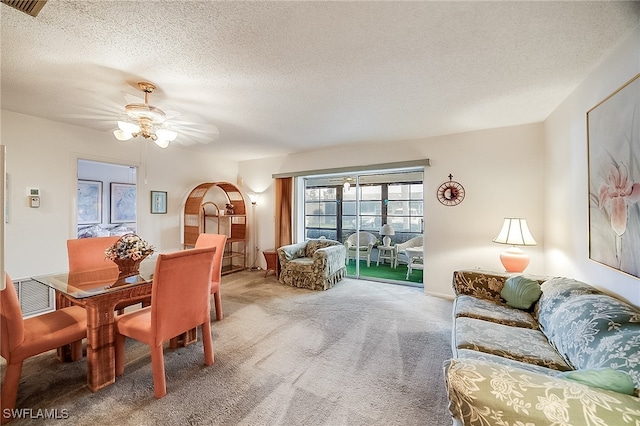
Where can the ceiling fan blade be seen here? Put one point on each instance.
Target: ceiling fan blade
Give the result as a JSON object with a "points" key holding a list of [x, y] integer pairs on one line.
{"points": [[199, 136], [193, 127]]}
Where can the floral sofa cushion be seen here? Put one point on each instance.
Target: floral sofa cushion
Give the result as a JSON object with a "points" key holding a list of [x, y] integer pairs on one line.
{"points": [[520, 344], [472, 307], [484, 284], [555, 291], [591, 329], [485, 393], [497, 359], [620, 351]]}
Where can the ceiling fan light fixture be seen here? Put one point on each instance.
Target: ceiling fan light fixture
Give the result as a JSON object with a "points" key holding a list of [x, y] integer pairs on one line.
{"points": [[129, 128], [138, 111], [168, 135], [122, 135], [145, 121], [162, 143]]}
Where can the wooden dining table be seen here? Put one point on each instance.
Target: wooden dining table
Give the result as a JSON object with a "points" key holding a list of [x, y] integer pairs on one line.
{"points": [[99, 291]]}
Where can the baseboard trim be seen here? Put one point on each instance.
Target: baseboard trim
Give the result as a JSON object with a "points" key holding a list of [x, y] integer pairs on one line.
{"points": [[440, 295]]}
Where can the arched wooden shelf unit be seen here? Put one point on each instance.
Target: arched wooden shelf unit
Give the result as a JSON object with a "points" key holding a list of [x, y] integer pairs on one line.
{"points": [[205, 211]]}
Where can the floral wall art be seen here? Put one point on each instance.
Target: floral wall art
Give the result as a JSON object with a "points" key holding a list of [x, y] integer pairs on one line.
{"points": [[123, 202], [614, 179], [89, 202]]}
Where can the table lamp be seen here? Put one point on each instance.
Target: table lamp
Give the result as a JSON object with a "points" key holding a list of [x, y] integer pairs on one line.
{"points": [[386, 231], [515, 232]]}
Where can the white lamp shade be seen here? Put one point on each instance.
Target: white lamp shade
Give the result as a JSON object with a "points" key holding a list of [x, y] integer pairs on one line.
{"points": [[387, 230], [165, 134], [121, 135], [515, 232], [129, 128], [162, 143]]}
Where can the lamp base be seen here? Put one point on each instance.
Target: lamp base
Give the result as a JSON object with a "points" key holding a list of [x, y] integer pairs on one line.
{"points": [[514, 260], [386, 241]]}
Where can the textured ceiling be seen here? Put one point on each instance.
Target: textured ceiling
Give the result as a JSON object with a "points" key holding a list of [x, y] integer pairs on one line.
{"points": [[281, 77]]}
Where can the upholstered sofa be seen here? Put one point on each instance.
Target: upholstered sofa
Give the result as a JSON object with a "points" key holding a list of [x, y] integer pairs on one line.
{"points": [[571, 358], [314, 264]]}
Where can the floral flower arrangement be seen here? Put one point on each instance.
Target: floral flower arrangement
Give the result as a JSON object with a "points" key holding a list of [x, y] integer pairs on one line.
{"points": [[129, 246]]}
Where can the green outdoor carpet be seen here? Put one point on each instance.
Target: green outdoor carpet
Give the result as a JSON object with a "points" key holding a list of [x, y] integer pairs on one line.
{"points": [[385, 272]]}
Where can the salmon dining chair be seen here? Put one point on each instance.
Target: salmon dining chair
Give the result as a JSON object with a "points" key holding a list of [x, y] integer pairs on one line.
{"points": [[23, 338], [87, 254], [218, 241], [180, 301]]}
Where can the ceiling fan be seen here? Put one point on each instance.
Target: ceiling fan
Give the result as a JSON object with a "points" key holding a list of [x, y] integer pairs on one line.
{"points": [[145, 120], [150, 122]]}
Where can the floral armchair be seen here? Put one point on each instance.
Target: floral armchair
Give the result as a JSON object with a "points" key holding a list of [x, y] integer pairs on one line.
{"points": [[314, 264]]}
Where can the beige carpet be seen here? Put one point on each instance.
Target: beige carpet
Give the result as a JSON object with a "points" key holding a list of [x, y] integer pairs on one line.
{"points": [[361, 353]]}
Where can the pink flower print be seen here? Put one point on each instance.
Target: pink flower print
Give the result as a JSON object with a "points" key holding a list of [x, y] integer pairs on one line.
{"points": [[614, 195]]}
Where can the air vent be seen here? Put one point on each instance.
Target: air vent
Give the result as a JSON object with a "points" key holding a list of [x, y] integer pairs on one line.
{"points": [[35, 298], [30, 7]]}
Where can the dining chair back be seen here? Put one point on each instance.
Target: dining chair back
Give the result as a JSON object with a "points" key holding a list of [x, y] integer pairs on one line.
{"points": [[180, 301], [86, 254], [21, 339], [218, 241]]}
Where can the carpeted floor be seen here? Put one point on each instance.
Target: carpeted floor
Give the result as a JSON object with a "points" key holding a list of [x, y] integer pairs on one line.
{"points": [[361, 353]]}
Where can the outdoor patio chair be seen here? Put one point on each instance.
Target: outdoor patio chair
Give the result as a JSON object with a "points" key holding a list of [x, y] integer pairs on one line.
{"points": [[400, 248], [359, 246]]}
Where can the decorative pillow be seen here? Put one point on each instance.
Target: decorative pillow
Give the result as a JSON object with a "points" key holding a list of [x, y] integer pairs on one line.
{"points": [[520, 292], [603, 378]]}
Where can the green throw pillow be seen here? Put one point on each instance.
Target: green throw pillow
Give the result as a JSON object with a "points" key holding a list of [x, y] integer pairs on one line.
{"points": [[520, 292], [603, 378]]}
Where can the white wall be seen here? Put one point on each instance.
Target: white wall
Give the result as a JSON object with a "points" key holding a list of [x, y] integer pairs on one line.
{"points": [[566, 187], [44, 154], [501, 170]]}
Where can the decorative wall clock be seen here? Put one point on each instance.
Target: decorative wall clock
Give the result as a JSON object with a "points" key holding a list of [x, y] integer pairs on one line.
{"points": [[450, 193]]}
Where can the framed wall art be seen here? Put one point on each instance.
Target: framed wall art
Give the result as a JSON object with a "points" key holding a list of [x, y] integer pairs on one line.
{"points": [[89, 202], [613, 137], [158, 202], [123, 203]]}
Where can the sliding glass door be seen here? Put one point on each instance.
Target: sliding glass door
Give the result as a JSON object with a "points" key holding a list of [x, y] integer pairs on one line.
{"points": [[355, 207]]}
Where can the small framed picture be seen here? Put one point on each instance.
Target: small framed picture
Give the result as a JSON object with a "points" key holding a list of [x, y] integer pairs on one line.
{"points": [[158, 202]]}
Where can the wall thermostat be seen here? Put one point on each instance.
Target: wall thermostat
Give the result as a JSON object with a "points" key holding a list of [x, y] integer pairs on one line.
{"points": [[34, 197]]}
